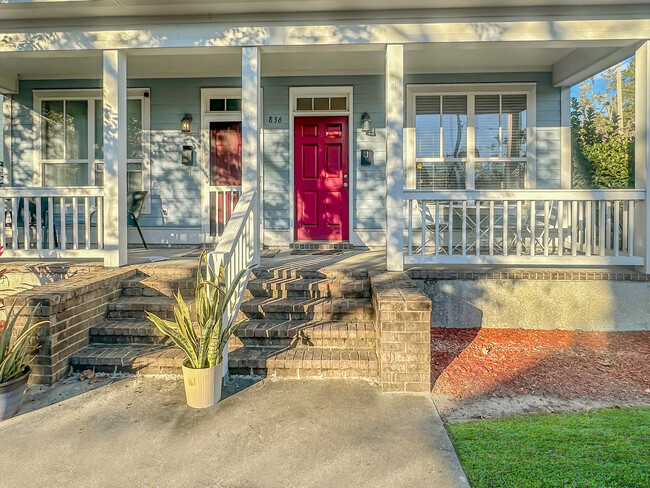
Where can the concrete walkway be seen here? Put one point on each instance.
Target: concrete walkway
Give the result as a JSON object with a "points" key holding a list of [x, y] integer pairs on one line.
{"points": [[139, 432]]}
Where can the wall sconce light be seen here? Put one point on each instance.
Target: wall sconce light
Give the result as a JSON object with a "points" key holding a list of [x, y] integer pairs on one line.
{"points": [[366, 124], [186, 121]]}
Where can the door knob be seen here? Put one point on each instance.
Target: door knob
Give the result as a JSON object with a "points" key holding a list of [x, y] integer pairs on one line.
{"points": [[345, 176], [345, 185]]}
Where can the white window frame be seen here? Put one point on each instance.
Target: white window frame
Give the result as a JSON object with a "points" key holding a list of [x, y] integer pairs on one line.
{"points": [[92, 96], [296, 92], [471, 90]]}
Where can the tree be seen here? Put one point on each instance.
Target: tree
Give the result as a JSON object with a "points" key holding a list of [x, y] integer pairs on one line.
{"points": [[602, 130]]}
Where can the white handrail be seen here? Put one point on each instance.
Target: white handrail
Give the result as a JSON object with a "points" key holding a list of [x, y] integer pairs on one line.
{"points": [[238, 249]]}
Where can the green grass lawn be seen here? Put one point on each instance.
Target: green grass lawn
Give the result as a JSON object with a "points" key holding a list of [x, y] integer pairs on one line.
{"points": [[600, 449]]}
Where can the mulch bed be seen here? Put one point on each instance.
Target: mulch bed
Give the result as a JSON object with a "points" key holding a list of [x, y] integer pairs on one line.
{"points": [[472, 363]]}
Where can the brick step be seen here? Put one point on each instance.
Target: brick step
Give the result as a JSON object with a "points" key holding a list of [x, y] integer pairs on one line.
{"points": [[127, 332], [307, 362], [153, 286], [129, 358], [135, 307], [299, 273], [355, 335], [309, 288], [322, 309]]}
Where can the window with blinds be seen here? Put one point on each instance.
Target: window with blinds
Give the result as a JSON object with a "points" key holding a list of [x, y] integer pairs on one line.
{"points": [[441, 141], [499, 139]]}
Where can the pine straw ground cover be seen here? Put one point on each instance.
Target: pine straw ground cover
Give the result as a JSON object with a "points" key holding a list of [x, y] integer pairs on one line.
{"points": [[606, 448]]}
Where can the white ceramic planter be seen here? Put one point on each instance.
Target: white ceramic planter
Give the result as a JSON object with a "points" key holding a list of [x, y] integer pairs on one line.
{"points": [[203, 386], [11, 395]]}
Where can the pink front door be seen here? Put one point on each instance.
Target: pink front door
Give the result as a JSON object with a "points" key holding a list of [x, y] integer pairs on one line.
{"points": [[321, 178]]}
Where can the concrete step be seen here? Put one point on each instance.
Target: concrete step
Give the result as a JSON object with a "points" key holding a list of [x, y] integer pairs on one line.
{"points": [[322, 309], [308, 362], [309, 288], [127, 332], [134, 307], [339, 335], [129, 358], [153, 286]]}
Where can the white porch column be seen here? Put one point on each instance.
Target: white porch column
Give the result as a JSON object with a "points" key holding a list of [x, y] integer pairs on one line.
{"points": [[394, 157], [251, 113], [5, 143], [642, 154], [565, 138], [114, 94]]}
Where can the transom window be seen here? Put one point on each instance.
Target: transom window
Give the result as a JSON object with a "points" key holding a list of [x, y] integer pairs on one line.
{"points": [[321, 103], [71, 138], [473, 140], [224, 105]]}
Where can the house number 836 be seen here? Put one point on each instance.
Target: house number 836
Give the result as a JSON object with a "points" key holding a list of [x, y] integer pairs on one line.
{"points": [[274, 119]]}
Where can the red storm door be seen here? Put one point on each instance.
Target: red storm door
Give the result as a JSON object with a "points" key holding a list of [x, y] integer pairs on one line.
{"points": [[321, 178], [225, 173]]}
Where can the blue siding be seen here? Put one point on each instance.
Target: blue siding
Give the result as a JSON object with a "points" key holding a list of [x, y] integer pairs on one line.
{"points": [[177, 188]]}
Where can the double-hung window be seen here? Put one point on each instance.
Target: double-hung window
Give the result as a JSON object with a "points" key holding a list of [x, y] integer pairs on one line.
{"points": [[471, 137], [71, 143]]}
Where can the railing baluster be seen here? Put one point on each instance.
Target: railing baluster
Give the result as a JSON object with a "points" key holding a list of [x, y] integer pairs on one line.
{"points": [[75, 224], [63, 241], [437, 224], [630, 228], [50, 223], [518, 227], [608, 226], [410, 228], [464, 229], [478, 227], [617, 223], [87, 221], [491, 243], [15, 244], [27, 222], [546, 231], [100, 222], [39, 224], [560, 229], [533, 225], [588, 229], [625, 207], [504, 239], [451, 227], [574, 228], [601, 229], [3, 223], [424, 226]]}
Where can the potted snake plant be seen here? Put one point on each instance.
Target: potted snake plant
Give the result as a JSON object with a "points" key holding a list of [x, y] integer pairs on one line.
{"points": [[203, 342], [14, 361]]}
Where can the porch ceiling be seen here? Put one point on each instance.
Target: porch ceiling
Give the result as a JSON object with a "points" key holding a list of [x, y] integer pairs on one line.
{"points": [[304, 61], [67, 9]]}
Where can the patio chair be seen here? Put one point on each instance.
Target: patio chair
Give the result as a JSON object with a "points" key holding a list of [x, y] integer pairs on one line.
{"points": [[134, 204]]}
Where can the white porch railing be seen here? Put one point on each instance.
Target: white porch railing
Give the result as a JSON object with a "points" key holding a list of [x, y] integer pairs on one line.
{"points": [[51, 222], [223, 200], [238, 249], [523, 227]]}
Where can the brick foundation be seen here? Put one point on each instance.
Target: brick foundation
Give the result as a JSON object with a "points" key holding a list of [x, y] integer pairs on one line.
{"points": [[402, 322], [72, 307]]}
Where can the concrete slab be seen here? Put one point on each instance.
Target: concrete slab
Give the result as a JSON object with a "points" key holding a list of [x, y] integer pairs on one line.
{"points": [[139, 432]]}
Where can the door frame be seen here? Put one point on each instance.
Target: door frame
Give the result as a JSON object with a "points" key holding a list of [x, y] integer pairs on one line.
{"points": [[320, 91], [207, 118]]}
